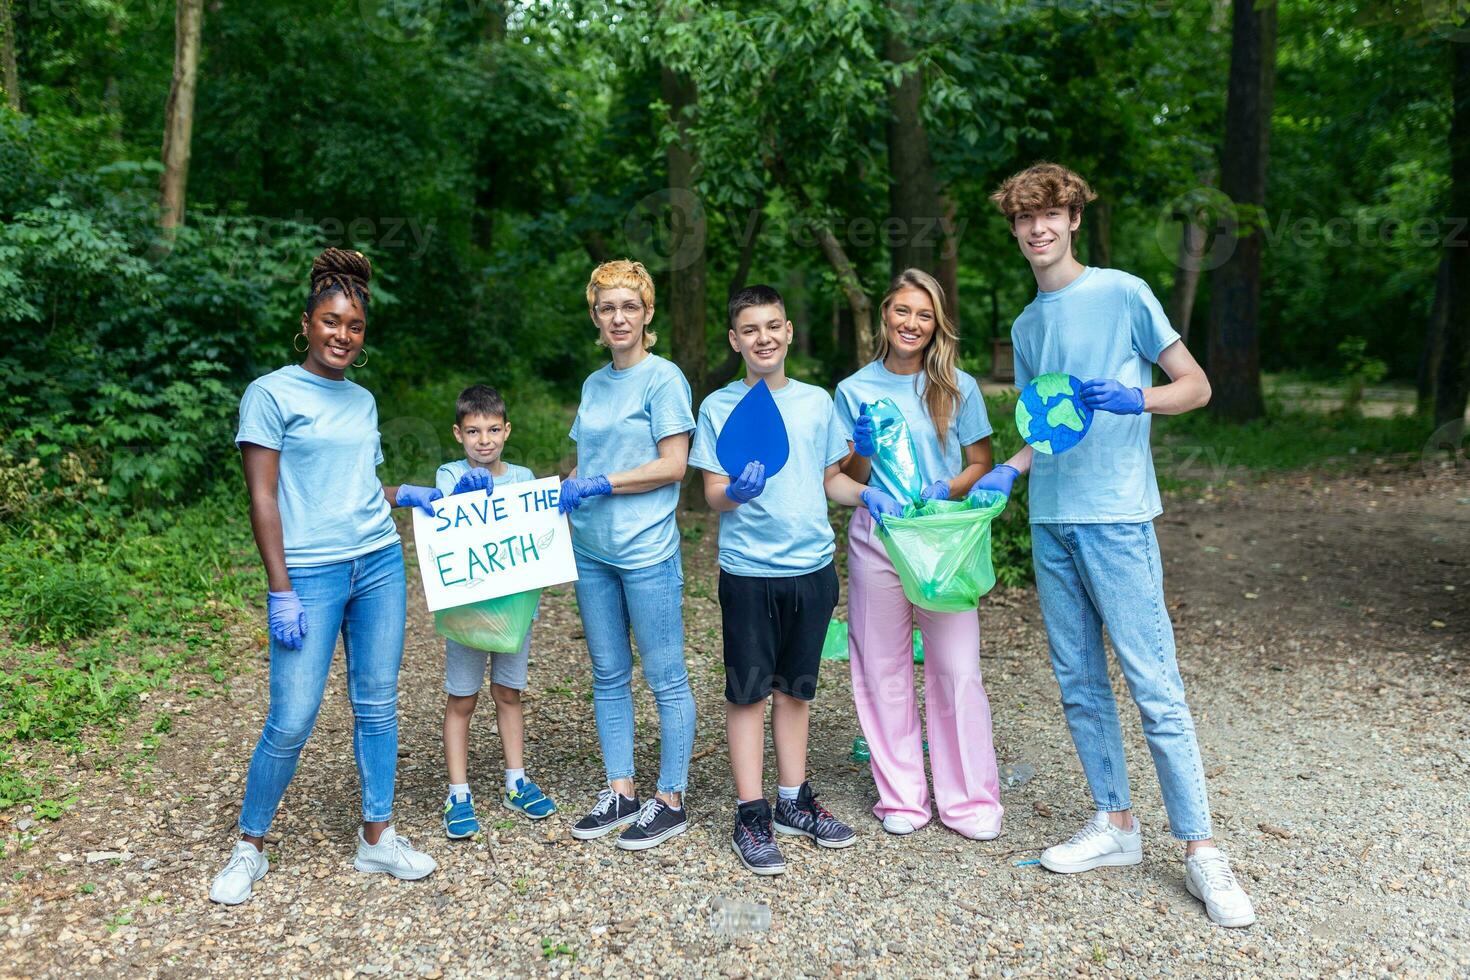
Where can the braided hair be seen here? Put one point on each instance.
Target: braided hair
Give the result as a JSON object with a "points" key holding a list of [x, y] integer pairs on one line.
{"points": [[340, 270]]}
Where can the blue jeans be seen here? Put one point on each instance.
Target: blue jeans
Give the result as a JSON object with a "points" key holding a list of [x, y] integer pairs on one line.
{"points": [[363, 600], [650, 602], [1093, 575]]}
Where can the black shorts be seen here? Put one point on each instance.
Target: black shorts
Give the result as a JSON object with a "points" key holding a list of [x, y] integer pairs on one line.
{"points": [[774, 629]]}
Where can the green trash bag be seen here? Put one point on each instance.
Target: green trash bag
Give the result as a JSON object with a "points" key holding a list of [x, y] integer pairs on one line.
{"points": [[834, 646], [499, 625], [895, 457], [941, 550]]}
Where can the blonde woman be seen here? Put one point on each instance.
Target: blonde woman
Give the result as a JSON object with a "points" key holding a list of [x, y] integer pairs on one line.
{"points": [[945, 412], [632, 434]]}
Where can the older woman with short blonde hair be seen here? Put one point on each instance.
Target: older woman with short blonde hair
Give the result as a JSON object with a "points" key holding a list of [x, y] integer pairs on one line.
{"points": [[632, 434]]}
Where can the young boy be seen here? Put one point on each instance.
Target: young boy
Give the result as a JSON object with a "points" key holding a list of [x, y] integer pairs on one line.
{"points": [[481, 428], [777, 582], [1092, 536]]}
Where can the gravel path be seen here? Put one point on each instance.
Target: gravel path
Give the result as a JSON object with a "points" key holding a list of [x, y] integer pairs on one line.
{"points": [[1325, 643]]}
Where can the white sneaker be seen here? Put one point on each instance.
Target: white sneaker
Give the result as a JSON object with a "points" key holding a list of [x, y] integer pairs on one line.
{"points": [[1097, 845], [895, 824], [393, 854], [1208, 877], [245, 867]]}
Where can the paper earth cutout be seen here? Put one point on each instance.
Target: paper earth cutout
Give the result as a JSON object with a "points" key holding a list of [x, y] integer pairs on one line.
{"points": [[1050, 415], [754, 431]]}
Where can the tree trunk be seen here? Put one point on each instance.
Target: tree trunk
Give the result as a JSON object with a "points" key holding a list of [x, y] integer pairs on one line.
{"points": [[1235, 293], [686, 304], [7, 55], [1186, 279], [949, 258], [1099, 221], [1432, 350], [1454, 365], [913, 199], [852, 290], [179, 115]]}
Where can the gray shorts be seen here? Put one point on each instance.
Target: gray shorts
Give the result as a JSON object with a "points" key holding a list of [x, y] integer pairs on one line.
{"points": [[464, 668]]}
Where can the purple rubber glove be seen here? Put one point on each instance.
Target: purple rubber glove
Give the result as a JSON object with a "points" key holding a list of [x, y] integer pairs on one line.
{"points": [[998, 479], [421, 497], [287, 618], [1107, 395], [478, 478], [881, 505], [938, 490], [575, 489], [749, 485]]}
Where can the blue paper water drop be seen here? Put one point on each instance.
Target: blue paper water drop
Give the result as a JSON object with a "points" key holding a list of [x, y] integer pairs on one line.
{"points": [[754, 431]]}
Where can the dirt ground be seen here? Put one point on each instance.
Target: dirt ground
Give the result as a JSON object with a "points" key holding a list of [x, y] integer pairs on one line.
{"points": [[1324, 636]]}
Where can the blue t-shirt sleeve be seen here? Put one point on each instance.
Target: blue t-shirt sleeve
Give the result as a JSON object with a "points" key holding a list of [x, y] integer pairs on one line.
{"points": [[974, 422], [702, 456], [847, 407], [446, 477], [1022, 370], [836, 436], [669, 404], [261, 421], [1152, 332]]}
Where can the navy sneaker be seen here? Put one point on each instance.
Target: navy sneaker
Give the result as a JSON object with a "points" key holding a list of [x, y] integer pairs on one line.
{"points": [[753, 841], [805, 817], [459, 817], [613, 810], [527, 798], [656, 823]]}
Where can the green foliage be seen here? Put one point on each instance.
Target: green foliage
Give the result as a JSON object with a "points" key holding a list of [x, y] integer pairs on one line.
{"points": [[1010, 535]]}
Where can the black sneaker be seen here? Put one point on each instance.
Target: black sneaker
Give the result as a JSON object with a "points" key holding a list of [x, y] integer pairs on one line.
{"points": [[753, 841], [655, 824], [805, 817], [613, 810]]}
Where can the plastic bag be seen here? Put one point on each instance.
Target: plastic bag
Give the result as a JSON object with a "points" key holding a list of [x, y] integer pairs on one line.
{"points": [[941, 551], [895, 457], [499, 625], [834, 646]]}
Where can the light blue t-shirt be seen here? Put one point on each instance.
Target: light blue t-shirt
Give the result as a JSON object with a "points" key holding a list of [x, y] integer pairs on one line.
{"points": [[1103, 324], [970, 424], [784, 531], [331, 501], [448, 475], [619, 423]]}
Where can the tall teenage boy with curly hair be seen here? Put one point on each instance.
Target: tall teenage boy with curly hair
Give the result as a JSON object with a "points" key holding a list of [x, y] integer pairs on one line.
{"points": [[1092, 535]]}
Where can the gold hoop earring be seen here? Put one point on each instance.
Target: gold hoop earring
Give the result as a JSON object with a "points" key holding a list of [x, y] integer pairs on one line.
{"points": [[300, 350], [364, 359]]}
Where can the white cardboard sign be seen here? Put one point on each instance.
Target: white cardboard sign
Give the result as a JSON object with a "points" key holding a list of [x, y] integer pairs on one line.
{"points": [[481, 547]]}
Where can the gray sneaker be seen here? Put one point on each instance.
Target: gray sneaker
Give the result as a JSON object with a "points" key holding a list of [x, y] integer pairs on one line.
{"points": [[805, 817], [245, 867], [752, 840], [394, 855]]}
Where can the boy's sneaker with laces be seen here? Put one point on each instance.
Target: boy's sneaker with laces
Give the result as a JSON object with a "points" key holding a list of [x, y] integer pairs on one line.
{"points": [[1208, 877], [1097, 845], [613, 810], [392, 855], [805, 817], [245, 867], [459, 817], [527, 798], [753, 841], [656, 823]]}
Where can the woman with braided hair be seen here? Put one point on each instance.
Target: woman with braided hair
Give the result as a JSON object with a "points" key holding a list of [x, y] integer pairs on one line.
{"points": [[308, 438]]}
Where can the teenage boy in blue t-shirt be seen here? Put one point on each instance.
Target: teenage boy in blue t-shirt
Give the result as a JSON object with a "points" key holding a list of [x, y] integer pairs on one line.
{"points": [[778, 586], [1092, 536]]}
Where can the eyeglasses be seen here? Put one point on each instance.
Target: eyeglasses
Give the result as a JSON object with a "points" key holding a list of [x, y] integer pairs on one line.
{"points": [[607, 311]]}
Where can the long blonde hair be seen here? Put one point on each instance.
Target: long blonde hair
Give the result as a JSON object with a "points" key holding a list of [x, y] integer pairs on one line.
{"points": [[941, 387]]}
